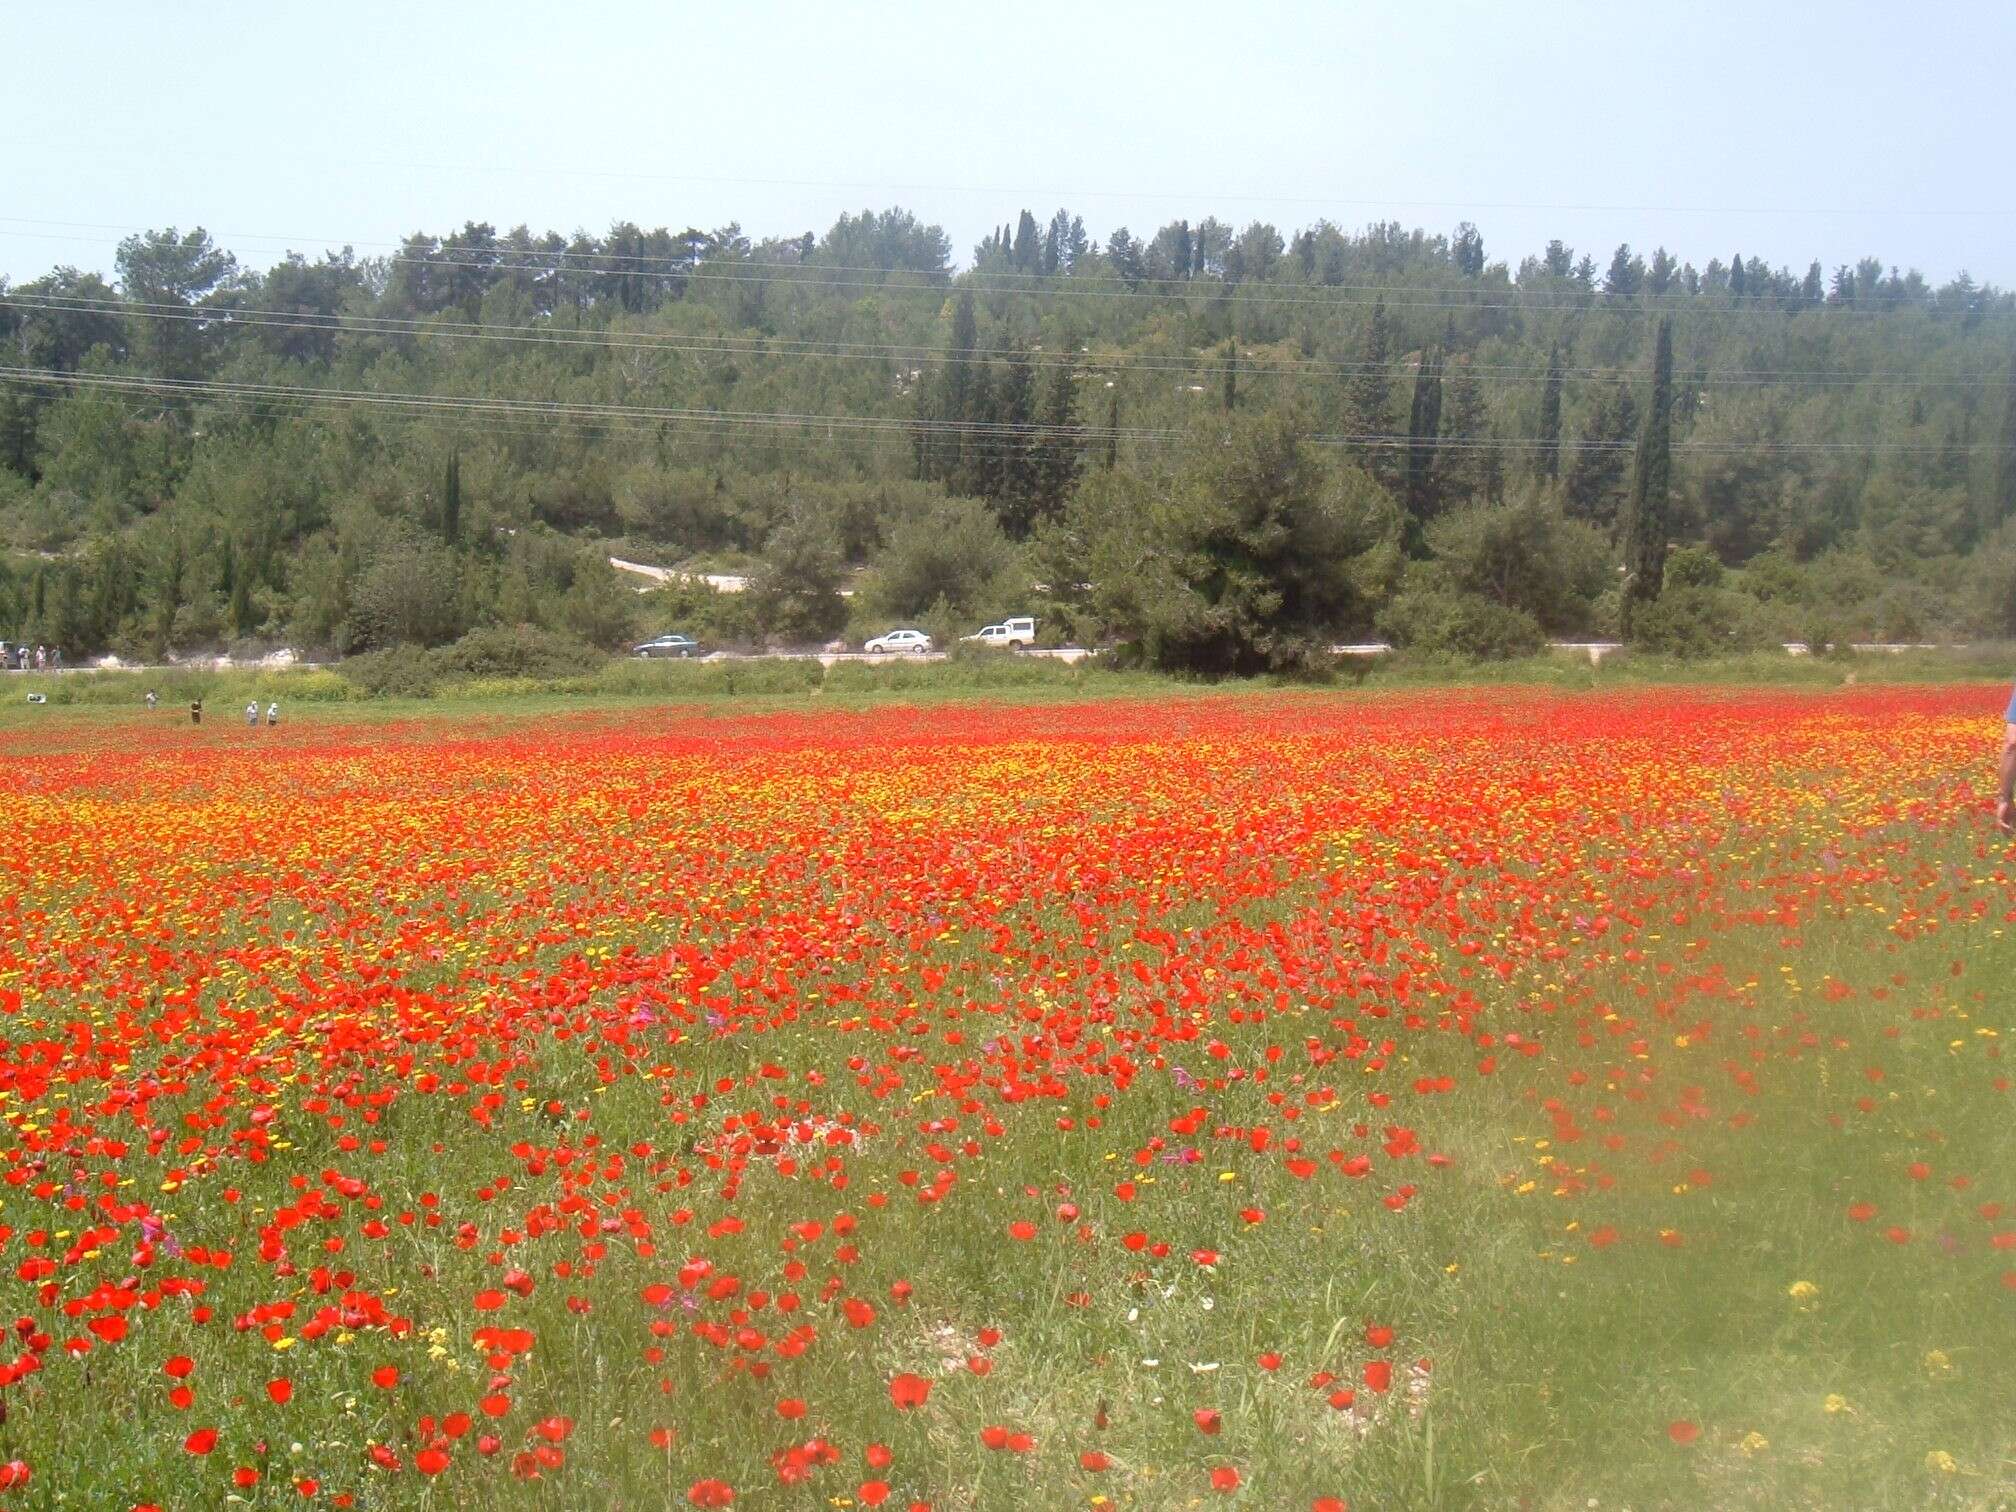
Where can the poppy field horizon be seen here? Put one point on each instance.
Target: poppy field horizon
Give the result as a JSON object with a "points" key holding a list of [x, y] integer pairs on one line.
{"points": [[1280, 1101]]}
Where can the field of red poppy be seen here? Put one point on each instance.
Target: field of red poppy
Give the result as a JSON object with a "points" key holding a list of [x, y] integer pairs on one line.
{"points": [[1287, 1101]]}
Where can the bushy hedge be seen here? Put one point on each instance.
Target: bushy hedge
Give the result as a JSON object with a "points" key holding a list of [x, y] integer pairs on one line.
{"points": [[1447, 624]]}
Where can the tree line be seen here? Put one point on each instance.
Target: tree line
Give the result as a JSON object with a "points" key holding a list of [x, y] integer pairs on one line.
{"points": [[1221, 448]]}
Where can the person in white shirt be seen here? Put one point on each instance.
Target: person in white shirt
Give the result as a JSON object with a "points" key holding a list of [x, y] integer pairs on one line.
{"points": [[252, 714], [273, 712]]}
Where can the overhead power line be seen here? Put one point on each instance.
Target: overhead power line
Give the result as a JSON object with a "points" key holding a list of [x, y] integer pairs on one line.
{"points": [[745, 346], [569, 410]]}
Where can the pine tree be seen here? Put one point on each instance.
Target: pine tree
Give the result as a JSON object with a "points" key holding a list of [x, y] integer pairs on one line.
{"points": [[1548, 455], [1125, 255], [1651, 479], [1076, 243]]}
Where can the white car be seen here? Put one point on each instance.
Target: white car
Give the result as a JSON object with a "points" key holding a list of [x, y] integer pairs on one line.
{"points": [[1015, 634], [898, 640]]}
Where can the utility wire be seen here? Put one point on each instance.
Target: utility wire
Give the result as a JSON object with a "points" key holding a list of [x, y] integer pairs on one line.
{"points": [[732, 346], [879, 425]]}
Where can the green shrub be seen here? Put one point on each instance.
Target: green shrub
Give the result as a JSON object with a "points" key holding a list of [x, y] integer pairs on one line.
{"points": [[1691, 621], [1446, 623], [519, 651], [398, 672], [704, 679], [1693, 567]]}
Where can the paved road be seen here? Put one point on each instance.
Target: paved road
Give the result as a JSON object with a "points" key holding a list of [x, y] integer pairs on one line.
{"points": [[1594, 650]]}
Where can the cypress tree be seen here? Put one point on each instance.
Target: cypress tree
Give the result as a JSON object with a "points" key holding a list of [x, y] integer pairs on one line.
{"points": [[1737, 282], [1549, 454], [240, 610], [2004, 504], [1057, 453], [451, 500], [1028, 251], [1424, 426], [1015, 404], [1469, 466], [958, 382], [1231, 374], [1595, 486], [1370, 397], [980, 448], [1651, 479], [923, 435], [1112, 458]]}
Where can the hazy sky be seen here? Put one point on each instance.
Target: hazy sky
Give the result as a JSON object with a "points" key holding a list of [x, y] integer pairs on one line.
{"points": [[1776, 128]]}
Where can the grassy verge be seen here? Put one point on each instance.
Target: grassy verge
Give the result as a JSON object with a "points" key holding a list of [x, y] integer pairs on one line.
{"points": [[763, 683]]}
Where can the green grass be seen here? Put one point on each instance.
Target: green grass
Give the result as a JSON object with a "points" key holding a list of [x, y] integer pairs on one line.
{"points": [[320, 693]]}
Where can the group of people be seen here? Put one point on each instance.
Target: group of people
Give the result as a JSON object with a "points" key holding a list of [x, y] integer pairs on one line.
{"points": [[251, 710], [21, 658]]}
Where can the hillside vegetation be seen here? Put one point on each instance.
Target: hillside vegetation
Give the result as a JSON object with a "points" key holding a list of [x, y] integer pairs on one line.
{"points": [[1218, 448]]}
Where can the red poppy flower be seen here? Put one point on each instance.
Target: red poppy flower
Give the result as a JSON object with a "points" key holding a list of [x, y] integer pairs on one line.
{"points": [[908, 1391]]}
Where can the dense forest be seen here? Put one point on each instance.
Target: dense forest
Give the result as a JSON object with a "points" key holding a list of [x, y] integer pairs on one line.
{"points": [[1220, 448]]}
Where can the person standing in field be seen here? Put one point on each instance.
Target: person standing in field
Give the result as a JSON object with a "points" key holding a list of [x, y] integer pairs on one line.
{"points": [[2005, 796], [273, 713], [252, 715], [151, 700], [195, 711]]}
